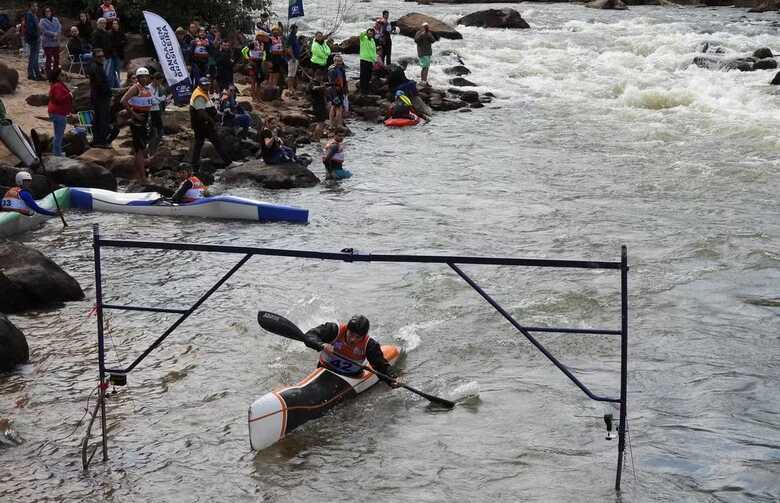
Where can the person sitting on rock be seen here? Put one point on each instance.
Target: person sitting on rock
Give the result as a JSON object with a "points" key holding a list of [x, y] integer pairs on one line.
{"points": [[273, 150], [402, 108], [191, 188], [20, 200], [333, 155], [232, 114]]}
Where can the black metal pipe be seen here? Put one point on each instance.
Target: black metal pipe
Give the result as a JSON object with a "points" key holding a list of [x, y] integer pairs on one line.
{"points": [[101, 346], [353, 256], [531, 338], [623, 362], [140, 308], [597, 331], [186, 314]]}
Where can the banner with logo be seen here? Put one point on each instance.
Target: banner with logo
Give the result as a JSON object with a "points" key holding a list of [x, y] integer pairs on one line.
{"points": [[170, 57], [295, 9]]}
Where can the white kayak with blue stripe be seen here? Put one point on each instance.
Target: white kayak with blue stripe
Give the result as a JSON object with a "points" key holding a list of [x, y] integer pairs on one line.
{"points": [[153, 203]]}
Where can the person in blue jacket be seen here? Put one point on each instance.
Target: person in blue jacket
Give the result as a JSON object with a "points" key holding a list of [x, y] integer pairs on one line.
{"points": [[20, 200]]}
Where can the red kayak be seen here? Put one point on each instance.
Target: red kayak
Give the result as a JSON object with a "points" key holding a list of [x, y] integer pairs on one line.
{"points": [[402, 122]]}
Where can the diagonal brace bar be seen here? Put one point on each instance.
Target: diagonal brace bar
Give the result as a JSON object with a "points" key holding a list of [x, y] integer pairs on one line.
{"points": [[531, 338], [184, 316]]}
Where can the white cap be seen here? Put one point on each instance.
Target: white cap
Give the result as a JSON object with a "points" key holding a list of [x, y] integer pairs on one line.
{"points": [[22, 176], [141, 71]]}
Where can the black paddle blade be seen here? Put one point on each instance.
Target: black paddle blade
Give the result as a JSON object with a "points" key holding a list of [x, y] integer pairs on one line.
{"points": [[442, 402], [279, 325]]}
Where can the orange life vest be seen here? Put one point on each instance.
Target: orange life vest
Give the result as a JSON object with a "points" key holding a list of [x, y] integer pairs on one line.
{"points": [[201, 50], [343, 352], [197, 191], [143, 101], [12, 202]]}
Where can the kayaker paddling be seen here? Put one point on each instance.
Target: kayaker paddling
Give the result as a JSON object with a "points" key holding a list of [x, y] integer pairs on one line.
{"points": [[191, 187], [20, 200], [347, 347]]}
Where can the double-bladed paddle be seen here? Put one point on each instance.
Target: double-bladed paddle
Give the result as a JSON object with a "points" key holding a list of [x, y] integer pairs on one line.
{"points": [[280, 325], [36, 141]]}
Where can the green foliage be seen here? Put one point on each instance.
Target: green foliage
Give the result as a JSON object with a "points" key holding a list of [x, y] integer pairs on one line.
{"points": [[230, 14]]}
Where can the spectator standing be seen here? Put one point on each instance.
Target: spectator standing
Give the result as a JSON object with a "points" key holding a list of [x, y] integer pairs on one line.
{"points": [[424, 40], [100, 96], [224, 62], [107, 11], [118, 44], [293, 56], [203, 116], [138, 102], [32, 36], [255, 54], [51, 29], [85, 26], [200, 49], [320, 53], [367, 59], [60, 107], [337, 91], [102, 38], [387, 41], [277, 57]]}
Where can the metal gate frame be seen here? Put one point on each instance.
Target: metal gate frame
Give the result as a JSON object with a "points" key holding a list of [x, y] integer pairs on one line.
{"points": [[349, 255]]}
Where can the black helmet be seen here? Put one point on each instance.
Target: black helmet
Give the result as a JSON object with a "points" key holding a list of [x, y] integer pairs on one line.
{"points": [[358, 324]]}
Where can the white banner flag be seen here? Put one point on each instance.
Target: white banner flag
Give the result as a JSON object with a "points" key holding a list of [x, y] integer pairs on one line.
{"points": [[170, 57]]}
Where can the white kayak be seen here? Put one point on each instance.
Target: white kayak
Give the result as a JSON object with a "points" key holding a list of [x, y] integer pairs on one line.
{"points": [[275, 414], [13, 138], [12, 223], [152, 203]]}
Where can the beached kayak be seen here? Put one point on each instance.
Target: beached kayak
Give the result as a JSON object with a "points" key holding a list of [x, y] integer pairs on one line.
{"points": [[17, 142], [275, 414], [152, 203], [12, 223], [402, 122]]}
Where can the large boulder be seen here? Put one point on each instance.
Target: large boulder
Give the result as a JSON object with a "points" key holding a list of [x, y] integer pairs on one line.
{"points": [[411, 23], [495, 18], [458, 70], [765, 6], [37, 100], [78, 173], [296, 118], [9, 79], [29, 280], [607, 4], [13, 345], [283, 176], [176, 120], [349, 46], [10, 39]]}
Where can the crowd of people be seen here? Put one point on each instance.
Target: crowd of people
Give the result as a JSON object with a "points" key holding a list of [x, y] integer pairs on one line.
{"points": [[98, 42]]}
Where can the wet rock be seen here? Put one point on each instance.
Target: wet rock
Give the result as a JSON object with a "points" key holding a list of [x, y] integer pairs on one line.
{"points": [[764, 52], [368, 114], [607, 4], [470, 97], [489, 95], [9, 79], [364, 100], [74, 144], [765, 64], [295, 118], [411, 23], [29, 280], [176, 120], [445, 105], [464, 110], [283, 176], [13, 345], [776, 80], [458, 70], [10, 39], [495, 18], [476, 105], [77, 173], [741, 64], [158, 184], [461, 82], [349, 46], [37, 100], [765, 6], [485, 99]]}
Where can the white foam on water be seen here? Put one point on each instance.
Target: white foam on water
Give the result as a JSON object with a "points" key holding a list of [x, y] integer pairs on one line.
{"points": [[465, 392], [410, 334]]}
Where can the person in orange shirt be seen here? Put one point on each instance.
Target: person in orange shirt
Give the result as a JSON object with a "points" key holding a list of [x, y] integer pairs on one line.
{"points": [[344, 347]]}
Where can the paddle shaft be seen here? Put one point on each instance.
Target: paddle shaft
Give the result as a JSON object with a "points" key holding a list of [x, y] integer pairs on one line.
{"points": [[279, 325], [37, 145]]}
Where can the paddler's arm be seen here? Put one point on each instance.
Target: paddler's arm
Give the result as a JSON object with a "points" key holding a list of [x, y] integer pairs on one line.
{"points": [[30, 201], [321, 334], [377, 360], [183, 188]]}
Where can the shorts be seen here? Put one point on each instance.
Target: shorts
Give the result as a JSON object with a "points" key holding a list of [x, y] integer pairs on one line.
{"points": [[277, 64], [292, 68], [140, 137], [425, 61]]}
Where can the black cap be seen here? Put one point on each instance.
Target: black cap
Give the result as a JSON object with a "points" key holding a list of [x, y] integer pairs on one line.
{"points": [[358, 324]]}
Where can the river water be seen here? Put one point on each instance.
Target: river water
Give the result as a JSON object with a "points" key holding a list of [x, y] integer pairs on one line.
{"points": [[602, 134]]}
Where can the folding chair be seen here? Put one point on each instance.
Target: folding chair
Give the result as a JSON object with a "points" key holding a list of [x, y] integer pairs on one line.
{"points": [[86, 119], [74, 62]]}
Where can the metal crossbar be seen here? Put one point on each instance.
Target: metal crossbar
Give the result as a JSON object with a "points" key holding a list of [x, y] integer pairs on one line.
{"points": [[350, 255]]}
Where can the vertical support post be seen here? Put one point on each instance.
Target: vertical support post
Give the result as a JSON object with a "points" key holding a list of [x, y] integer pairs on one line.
{"points": [[101, 347], [623, 361]]}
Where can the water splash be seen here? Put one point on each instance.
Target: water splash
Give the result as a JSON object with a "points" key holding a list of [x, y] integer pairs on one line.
{"points": [[466, 393]]}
